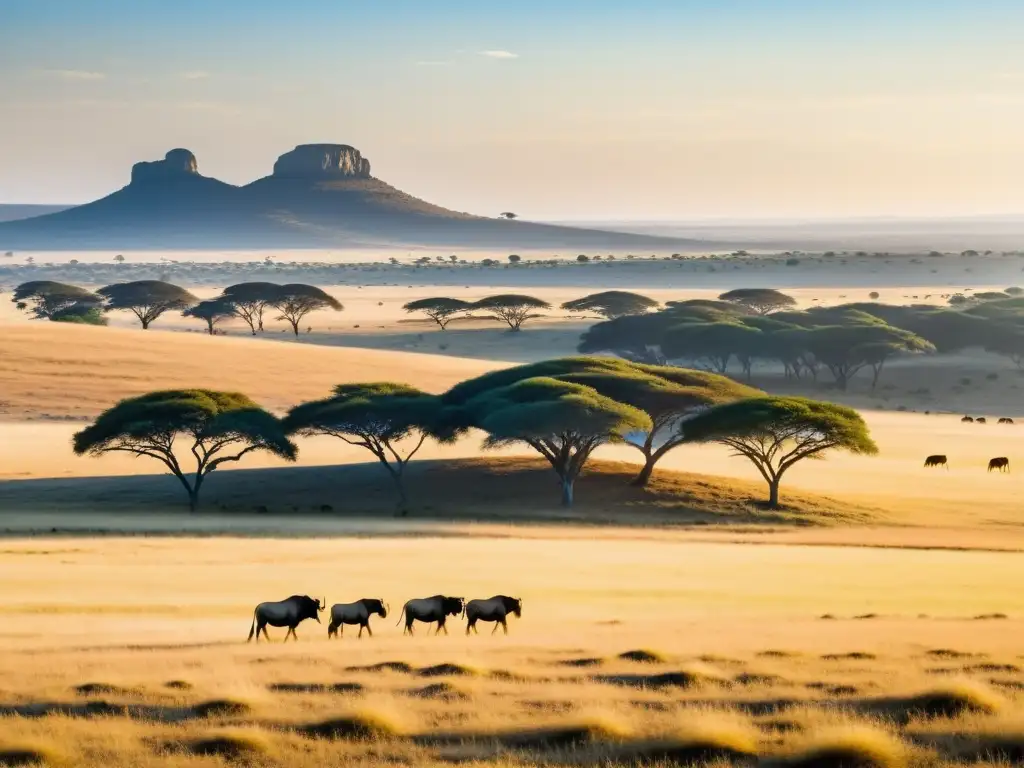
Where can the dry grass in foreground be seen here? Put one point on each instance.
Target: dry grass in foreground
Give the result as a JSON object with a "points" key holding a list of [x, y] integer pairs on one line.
{"points": [[486, 489], [631, 650], [532, 711]]}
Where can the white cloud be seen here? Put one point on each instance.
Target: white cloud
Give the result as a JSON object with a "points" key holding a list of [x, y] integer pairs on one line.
{"points": [[74, 74], [197, 74], [499, 54]]}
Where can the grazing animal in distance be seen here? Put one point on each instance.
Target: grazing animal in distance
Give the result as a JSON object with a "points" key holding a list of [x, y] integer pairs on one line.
{"points": [[494, 609], [286, 613], [967, 419], [936, 460], [981, 420], [999, 462], [430, 609], [358, 612], [1006, 420]]}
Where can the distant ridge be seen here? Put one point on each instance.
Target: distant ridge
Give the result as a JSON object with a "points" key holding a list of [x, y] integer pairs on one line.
{"points": [[12, 212], [318, 195]]}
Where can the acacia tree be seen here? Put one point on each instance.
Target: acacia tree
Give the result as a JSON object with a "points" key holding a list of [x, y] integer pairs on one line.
{"points": [[378, 416], [441, 310], [844, 350], [49, 300], [512, 308], [218, 427], [1010, 344], [562, 421], [211, 311], [146, 299], [775, 433], [712, 344], [296, 300], [760, 300], [666, 394], [612, 304], [249, 300]]}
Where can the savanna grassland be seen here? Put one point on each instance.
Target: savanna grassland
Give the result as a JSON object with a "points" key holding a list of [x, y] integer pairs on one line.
{"points": [[873, 621], [631, 649]]}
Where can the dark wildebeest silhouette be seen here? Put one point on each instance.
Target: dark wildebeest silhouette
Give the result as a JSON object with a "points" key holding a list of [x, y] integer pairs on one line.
{"points": [[966, 419], [936, 460], [1006, 420], [494, 609], [287, 613], [999, 462], [981, 420], [430, 609], [358, 612]]}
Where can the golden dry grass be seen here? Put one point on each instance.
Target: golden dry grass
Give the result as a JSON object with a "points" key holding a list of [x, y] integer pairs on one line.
{"points": [[130, 652], [58, 371]]}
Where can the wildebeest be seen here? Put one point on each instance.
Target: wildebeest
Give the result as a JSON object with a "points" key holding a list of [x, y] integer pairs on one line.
{"points": [[430, 609], [494, 609], [936, 460], [966, 419], [1006, 420], [287, 613], [358, 612], [981, 420], [999, 462]]}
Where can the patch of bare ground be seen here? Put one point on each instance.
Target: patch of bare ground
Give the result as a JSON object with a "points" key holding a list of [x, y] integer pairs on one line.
{"points": [[481, 489]]}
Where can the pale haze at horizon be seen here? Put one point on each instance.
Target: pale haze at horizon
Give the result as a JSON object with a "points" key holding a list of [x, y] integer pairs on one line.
{"points": [[585, 110]]}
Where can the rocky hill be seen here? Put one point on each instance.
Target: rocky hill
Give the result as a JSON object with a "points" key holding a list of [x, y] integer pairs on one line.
{"points": [[318, 195]]}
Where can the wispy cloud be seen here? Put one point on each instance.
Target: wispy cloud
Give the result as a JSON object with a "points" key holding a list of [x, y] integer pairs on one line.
{"points": [[74, 74], [196, 74], [499, 54]]}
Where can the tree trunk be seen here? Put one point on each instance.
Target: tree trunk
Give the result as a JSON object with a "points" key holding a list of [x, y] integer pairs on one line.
{"points": [[145, 324], [877, 370], [209, 327], [295, 327], [641, 480], [567, 489], [193, 499], [773, 493], [403, 500]]}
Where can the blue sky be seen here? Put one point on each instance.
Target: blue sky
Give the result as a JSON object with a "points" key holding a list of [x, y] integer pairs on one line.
{"points": [[638, 109]]}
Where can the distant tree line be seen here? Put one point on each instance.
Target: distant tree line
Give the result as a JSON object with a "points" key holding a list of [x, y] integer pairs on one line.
{"points": [[149, 299], [563, 409], [249, 302], [746, 326]]}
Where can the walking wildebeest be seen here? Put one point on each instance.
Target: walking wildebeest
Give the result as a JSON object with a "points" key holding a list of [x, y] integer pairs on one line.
{"points": [[967, 419], [358, 612], [999, 462], [287, 613], [936, 460], [430, 609], [981, 420], [494, 609], [1006, 420]]}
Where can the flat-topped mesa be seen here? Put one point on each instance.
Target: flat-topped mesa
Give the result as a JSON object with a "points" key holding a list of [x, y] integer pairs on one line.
{"points": [[176, 164], [323, 161]]}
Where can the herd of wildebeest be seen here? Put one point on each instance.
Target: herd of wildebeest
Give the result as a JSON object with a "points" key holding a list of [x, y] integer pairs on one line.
{"points": [[430, 610], [998, 463]]}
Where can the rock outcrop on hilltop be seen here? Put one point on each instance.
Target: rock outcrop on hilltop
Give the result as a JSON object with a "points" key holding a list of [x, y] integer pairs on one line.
{"points": [[323, 160], [176, 163]]}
